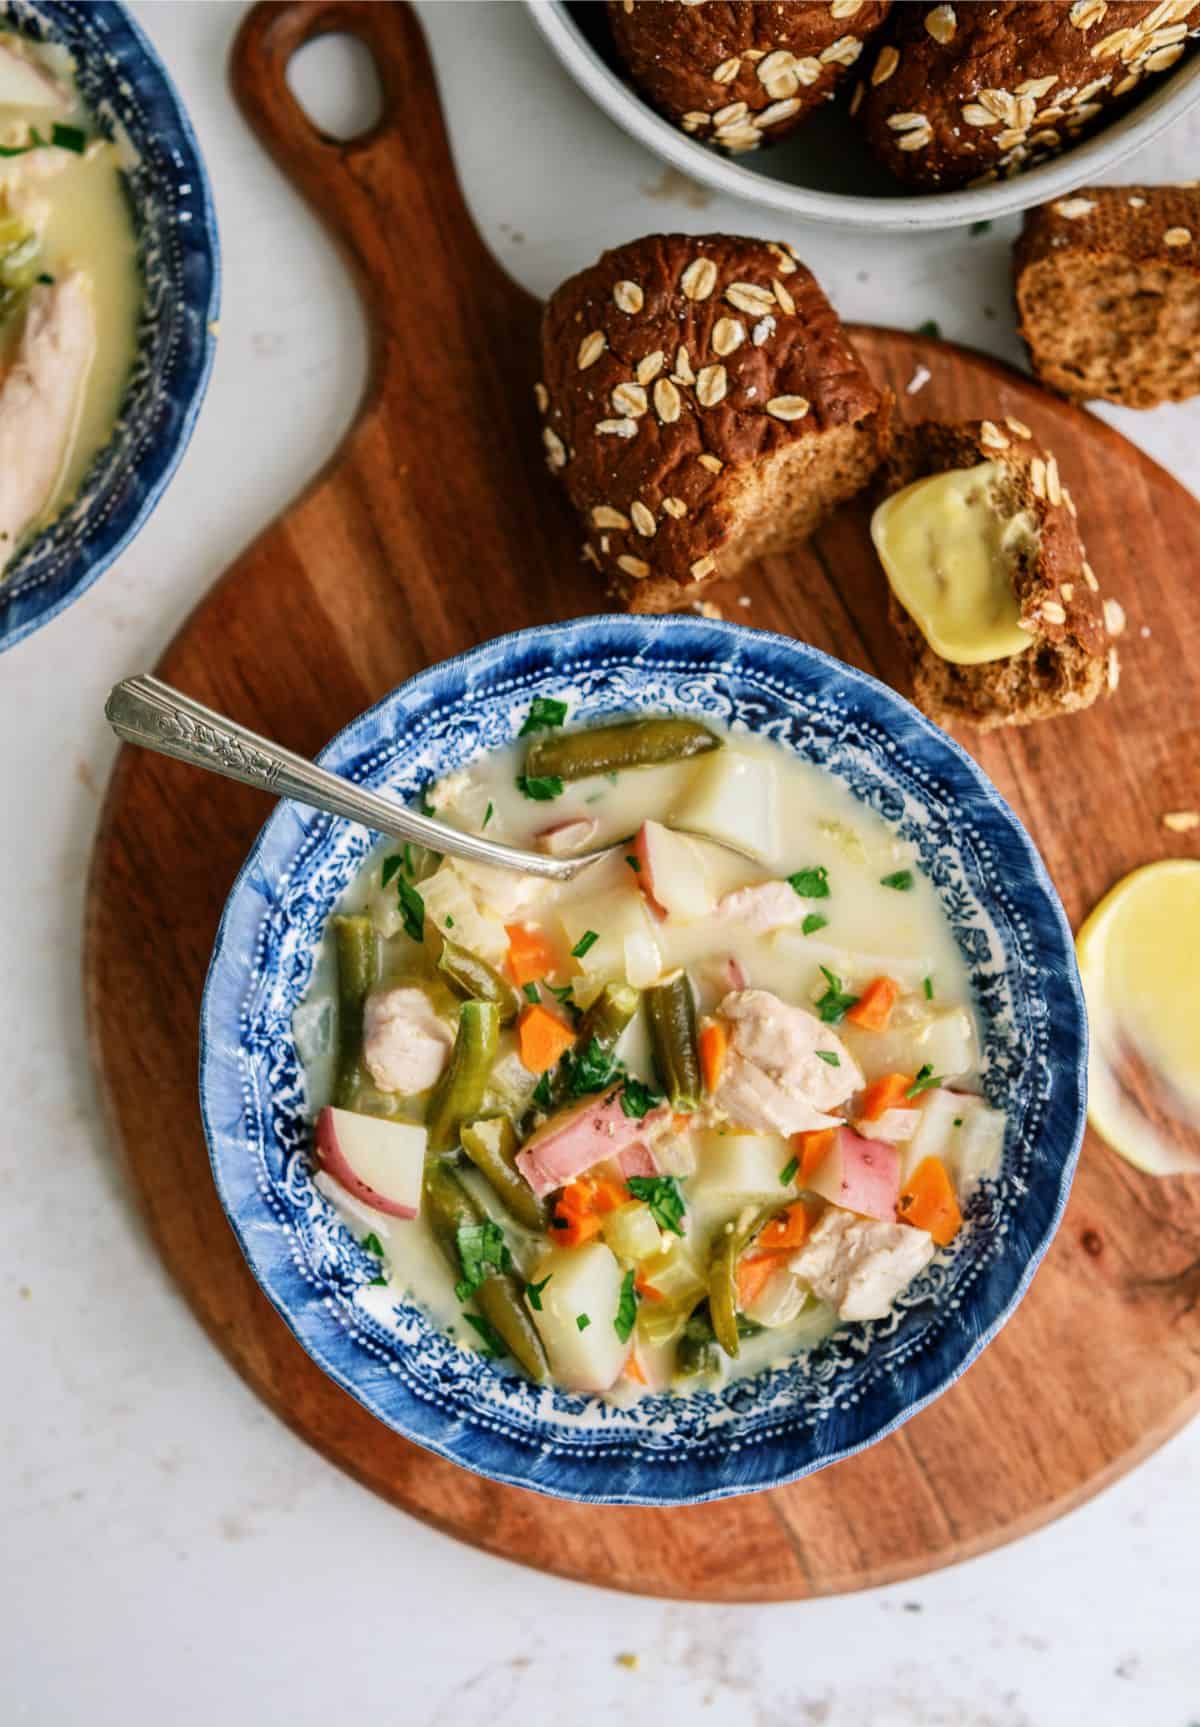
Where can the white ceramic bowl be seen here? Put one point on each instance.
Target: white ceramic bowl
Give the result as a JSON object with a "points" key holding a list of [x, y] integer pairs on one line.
{"points": [[823, 172]]}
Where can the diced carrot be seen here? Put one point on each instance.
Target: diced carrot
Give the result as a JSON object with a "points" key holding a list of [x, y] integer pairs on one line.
{"points": [[573, 1229], [530, 954], [789, 1229], [633, 1369], [874, 1006], [929, 1201], [582, 1205], [607, 1194], [754, 1272], [714, 1044], [886, 1092], [812, 1150], [646, 1290], [682, 1123], [542, 1038]]}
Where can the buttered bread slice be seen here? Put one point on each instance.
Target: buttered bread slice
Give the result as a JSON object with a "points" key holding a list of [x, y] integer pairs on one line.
{"points": [[989, 587]]}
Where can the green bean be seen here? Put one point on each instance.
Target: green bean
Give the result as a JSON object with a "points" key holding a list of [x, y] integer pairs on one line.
{"points": [[722, 1277], [470, 976], [671, 1013], [608, 749], [459, 1093], [357, 949], [491, 1144], [449, 1207], [601, 1027], [696, 1352]]}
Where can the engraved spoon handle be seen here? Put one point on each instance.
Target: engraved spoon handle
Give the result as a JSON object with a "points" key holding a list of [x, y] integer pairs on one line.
{"points": [[145, 711]]}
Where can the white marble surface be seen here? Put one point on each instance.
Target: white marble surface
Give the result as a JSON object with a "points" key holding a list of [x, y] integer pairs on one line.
{"points": [[171, 1553]]}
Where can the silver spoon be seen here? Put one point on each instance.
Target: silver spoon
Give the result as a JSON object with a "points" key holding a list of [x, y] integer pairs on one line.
{"points": [[145, 711]]}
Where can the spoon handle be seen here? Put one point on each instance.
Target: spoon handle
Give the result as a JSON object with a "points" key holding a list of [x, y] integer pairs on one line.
{"points": [[145, 711]]}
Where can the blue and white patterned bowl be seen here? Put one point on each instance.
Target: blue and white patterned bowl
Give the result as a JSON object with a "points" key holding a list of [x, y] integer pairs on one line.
{"points": [[124, 83], [864, 1381]]}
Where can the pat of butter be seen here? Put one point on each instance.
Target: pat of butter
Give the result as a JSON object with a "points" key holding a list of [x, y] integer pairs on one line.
{"points": [[947, 552]]}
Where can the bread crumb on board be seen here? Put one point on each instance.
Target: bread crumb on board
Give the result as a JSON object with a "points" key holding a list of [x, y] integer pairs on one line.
{"points": [[1181, 821]]}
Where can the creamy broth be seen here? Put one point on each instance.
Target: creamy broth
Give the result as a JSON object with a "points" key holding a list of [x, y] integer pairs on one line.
{"points": [[848, 908], [73, 200]]}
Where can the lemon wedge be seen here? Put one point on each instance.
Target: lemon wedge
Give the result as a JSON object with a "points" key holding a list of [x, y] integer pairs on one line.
{"points": [[1139, 957]]}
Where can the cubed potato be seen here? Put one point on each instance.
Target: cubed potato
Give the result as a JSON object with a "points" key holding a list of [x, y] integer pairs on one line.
{"points": [[585, 1285], [732, 798], [744, 1165]]}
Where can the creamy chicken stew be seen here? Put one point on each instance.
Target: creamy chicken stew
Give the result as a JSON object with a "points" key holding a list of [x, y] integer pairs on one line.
{"points": [[70, 290], [674, 1120]]}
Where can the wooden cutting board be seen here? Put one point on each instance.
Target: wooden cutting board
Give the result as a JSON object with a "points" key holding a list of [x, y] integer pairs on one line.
{"points": [[434, 527]]}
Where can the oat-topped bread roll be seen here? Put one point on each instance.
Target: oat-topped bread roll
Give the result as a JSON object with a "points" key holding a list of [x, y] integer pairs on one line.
{"points": [[704, 408], [741, 74], [989, 587], [1108, 293], [961, 94]]}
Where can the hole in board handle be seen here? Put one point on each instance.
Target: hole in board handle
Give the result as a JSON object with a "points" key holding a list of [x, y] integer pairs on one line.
{"points": [[335, 80]]}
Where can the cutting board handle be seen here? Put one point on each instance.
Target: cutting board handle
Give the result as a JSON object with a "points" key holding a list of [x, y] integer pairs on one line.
{"points": [[390, 196]]}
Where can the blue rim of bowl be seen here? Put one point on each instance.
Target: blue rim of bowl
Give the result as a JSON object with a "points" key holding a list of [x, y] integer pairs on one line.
{"points": [[193, 384], [460, 666]]}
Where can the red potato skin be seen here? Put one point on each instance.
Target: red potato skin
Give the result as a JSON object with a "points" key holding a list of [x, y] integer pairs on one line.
{"points": [[642, 851], [334, 1163], [869, 1171]]}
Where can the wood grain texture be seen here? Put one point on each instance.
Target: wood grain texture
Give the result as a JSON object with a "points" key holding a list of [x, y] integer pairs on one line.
{"points": [[435, 526]]}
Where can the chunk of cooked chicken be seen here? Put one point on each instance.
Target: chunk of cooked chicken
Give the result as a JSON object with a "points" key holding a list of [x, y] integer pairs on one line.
{"points": [[40, 399], [784, 1070], [766, 906], [860, 1266], [405, 1044]]}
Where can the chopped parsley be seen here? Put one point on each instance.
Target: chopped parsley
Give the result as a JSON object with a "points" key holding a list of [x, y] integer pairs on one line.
{"points": [[637, 1099], [424, 806], [69, 138], [564, 992], [372, 1245], [533, 1292], [589, 1069], [788, 1173], [541, 1092], [541, 791], [544, 714], [835, 1004], [391, 866], [927, 986], [488, 813], [482, 1249], [979, 228], [585, 944], [813, 922], [530, 992], [626, 1308], [412, 909], [634, 863], [829, 1057], [62, 137], [901, 880], [582, 1321], [661, 1193], [925, 1081], [930, 327], [810, 883], [449, 921], [493, 1344], [46, 279], [958, 1121]]}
